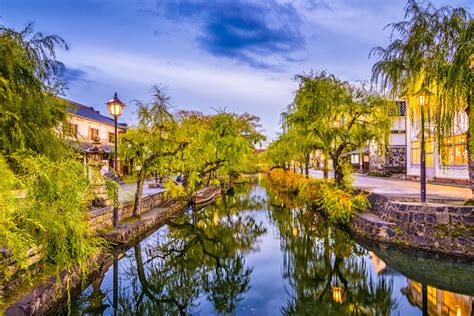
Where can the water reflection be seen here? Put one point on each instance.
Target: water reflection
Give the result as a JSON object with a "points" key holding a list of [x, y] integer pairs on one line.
{"points": [[220, 259]]}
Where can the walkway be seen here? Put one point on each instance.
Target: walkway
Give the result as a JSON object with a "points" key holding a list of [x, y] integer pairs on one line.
{"points": [[399, 188], [128, 190]]}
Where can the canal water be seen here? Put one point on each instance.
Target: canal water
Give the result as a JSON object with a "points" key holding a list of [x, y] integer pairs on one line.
{"points": [[255, 252]]}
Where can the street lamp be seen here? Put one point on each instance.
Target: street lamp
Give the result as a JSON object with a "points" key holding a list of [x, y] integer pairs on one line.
{"points": [[115, 107], [422, 101]]}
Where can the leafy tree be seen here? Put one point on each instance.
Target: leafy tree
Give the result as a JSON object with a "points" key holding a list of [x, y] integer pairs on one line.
{"points": [[430, 53], [148, 148], [30, 77], [220, 147], [338, 117]]}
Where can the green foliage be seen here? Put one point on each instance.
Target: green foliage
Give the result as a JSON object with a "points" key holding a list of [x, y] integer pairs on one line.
{"points": [[340, 203], [48, 212], [332, 117], [112, 189], [429, 53], [30, 77], [218, 146]]}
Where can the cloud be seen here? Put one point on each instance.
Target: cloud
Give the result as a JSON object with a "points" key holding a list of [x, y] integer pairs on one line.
{"points": [[73, 74], [261, 34]]}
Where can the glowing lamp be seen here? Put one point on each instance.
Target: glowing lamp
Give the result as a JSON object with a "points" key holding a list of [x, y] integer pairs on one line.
{"points": [[421, 100], [337, 294], [115, 106]]}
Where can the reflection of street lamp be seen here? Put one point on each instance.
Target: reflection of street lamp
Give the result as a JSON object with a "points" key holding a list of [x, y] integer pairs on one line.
{"points": [[215, 217], [115, 107], [337, 294]]}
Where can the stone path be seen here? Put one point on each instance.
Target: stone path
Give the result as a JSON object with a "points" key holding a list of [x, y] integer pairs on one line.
{"points": [[399, 188]]}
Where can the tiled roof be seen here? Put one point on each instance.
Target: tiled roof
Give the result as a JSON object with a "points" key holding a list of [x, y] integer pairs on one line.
{"points": [[90, 113]]}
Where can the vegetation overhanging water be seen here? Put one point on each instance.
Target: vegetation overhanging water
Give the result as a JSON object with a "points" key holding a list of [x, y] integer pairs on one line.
{"points": [[254, 253]]}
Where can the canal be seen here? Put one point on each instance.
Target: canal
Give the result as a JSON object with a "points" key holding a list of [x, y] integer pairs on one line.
{"points": [[255, 252]]}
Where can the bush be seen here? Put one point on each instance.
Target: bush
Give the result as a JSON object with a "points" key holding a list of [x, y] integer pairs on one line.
{"points": [[48, 212], [338, 201]]}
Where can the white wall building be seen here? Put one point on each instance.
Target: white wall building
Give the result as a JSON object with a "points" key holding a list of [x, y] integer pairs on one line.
{"points": [[92, 133], [451, 165]]}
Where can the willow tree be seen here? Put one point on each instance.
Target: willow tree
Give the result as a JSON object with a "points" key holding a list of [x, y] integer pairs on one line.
{"points": [[30, 78], [220, 147], [429, 53], [339, 117], [149, 147]]}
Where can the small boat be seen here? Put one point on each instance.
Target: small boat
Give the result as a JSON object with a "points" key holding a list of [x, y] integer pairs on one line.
{"points": [[206, 195]]}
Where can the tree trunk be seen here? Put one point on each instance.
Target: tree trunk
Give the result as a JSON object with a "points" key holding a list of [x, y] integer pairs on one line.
{"points": [[338, 174], [326, 169], [138, 198], [307, 165], [301, 168]]}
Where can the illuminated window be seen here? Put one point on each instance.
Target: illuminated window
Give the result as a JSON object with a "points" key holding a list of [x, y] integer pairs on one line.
{"points": [[432, 295], [415, 153], [454, 151]]}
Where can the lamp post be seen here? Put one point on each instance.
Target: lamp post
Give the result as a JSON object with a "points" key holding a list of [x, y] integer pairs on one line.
{"points": [[421, 103], [115, 107]]}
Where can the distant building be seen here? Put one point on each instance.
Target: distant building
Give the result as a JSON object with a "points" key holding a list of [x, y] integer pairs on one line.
{"points": [[394, 160], [92, 134], [451, 166]]}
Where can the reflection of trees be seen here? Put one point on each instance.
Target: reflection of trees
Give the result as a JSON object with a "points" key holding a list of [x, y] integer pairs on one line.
{"points": [[200, 256], [320, 260]]}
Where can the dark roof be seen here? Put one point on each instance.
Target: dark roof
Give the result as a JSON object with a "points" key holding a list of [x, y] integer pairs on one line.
{"points": [[90, 113]]}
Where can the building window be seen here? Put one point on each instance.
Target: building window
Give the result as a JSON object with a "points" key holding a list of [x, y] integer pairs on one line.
{"points": [[397, 109], [415, 153], [454, 151], [355, 159], [111, 138], [71, 130], [94, 134]]}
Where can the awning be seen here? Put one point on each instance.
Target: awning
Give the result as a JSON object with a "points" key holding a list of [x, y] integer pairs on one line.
{"points": [[365, 150]]}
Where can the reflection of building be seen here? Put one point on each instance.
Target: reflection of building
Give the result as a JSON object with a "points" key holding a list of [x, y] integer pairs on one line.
{"points": [[439, 302], [451, 165], [379, 264], [92, 133]]}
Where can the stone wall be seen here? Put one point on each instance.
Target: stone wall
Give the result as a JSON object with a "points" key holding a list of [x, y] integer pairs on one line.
{"points": [[431, 227], [394, 161], [103, 217]]}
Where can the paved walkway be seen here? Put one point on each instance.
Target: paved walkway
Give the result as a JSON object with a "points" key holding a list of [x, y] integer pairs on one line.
{"points": [[128, 190], [399, 188]]}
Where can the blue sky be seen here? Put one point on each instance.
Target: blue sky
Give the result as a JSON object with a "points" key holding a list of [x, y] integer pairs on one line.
{"points": [[239, 55]]}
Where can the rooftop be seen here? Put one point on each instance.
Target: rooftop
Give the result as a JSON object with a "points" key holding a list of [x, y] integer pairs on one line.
{"points": [[90, 113]]}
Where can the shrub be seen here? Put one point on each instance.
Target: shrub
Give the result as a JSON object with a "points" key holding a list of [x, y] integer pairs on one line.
{"points": [[49, 213], [339, 202]]}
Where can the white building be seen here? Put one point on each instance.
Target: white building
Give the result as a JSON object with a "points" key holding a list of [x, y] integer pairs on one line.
{"points": [[394, 159], [92, 133], [451, 166]]}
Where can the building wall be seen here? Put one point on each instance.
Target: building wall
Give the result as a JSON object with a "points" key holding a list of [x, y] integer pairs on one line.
{"points": [[83, 129], [449, 172], [394, 159], [84, 126]]}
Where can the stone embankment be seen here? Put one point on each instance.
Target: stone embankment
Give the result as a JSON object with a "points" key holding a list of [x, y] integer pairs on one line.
{"points": [[431, 227], [156, 211]]}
